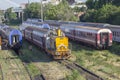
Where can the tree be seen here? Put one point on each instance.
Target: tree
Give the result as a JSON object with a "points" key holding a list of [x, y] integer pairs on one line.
{"points": [[90, 16], [1, 16], [33, 11], [61, 11], [90, 4], [96, 4], [116, 2], [10, 16], [107, 14]]}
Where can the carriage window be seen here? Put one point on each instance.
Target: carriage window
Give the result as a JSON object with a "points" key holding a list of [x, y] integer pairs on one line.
{"points": [[15, 38], [113, 33]]}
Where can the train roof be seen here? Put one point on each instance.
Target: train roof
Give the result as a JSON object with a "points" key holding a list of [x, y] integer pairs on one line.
{"points": [[113, 26], [36, 29], [88, 27], [93, 29], [46, 32]]}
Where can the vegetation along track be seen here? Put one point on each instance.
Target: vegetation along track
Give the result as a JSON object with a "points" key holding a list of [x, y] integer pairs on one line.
{"points": [[74, 66], [39, 77], [1, 73], [12, 66]]}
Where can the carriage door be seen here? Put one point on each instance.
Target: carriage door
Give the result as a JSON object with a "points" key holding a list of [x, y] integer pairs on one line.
{"points": [[104, 39], [15, 39]]}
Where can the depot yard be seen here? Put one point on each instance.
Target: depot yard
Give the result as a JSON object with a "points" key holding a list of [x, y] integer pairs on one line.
{"points": [[37, 60], [104, 63]]}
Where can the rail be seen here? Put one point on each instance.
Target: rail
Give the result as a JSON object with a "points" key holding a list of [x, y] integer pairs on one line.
{"points": [[86, 73]]}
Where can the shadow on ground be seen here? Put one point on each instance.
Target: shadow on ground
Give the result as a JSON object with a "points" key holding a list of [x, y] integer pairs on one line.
{"points": [[115, 48], [33, 55]]}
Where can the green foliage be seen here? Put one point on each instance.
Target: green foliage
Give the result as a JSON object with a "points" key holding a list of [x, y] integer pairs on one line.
{"points": [[102, 62], [10, 15], [1, 16], [96, 4], [33, 70], [77, 9], [90, 4], [32, 11], [106, 14], [90, 16], [1, 12], [75, 76], [61, 11], [116, 2]]}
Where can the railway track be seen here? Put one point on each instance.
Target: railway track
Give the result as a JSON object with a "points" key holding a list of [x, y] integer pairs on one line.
{"points": [[1, 73], [74, 66], [12, 66], [39, 77]]}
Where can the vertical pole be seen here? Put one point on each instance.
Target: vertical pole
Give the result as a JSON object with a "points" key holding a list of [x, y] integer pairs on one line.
{"points": [[41, 10], [22, 16]]}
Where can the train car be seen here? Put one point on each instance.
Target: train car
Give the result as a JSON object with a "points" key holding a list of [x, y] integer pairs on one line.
{"points": [[32, 23], [99, 38], [116, 32], [114, 28], [11, 37], [53, 42]]}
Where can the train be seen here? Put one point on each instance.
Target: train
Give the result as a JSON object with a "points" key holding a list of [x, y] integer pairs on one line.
{"points": [[11, 37], [114, 28], [53, 42], [97, 37]]}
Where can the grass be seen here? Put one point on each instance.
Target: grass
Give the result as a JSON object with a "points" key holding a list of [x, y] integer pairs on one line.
{"points": [[75, 76], [29, 57], [99, 61], [34, 71], [16, 26], [103, 62], [10, 64]]}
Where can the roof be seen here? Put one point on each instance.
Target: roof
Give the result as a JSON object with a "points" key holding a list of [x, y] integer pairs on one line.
{"points": [[5, 4]]}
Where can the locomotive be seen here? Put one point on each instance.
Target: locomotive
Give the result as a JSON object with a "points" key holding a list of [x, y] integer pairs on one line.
{"points": [[11, 37], [52, 42]]}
